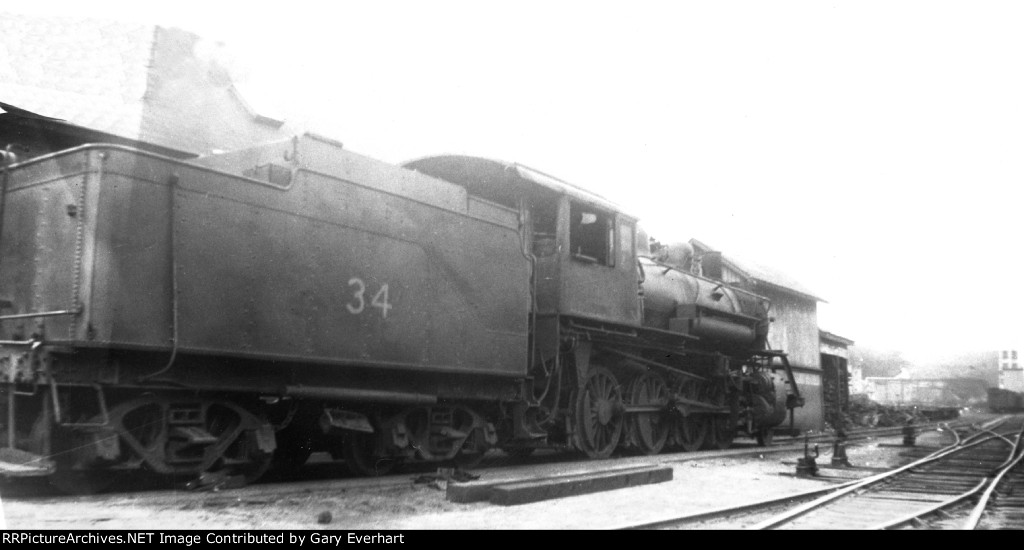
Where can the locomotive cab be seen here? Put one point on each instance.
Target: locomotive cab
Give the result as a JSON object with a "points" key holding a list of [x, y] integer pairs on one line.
{"points": [[594, 262], [582, 245]]}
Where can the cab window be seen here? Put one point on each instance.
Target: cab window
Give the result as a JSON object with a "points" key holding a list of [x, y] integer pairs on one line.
{"points": [[591, 235]]}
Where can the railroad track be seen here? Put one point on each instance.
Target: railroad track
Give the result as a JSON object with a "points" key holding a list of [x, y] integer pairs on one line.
{"points": [[974, 482], [320, 472], [1003, 506], [495, 464], [899, 498]]}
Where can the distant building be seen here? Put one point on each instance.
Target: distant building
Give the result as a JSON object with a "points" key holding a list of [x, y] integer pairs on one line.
{"points": [[927, 392], [69, 81], [858, 383], [1011, 371]]}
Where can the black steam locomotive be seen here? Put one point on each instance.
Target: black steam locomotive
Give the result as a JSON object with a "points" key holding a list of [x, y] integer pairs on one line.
{"points": [[240, 311]]}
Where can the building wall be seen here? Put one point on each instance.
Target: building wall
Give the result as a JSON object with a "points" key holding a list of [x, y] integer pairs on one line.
{"points": [[162, 89], [810, 417], [733, 277], [1011, 370], [795, 331], [1012, 380], [191, 103]]}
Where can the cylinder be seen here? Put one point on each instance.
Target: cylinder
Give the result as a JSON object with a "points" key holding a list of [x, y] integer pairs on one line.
{"points": [[722, 330]]}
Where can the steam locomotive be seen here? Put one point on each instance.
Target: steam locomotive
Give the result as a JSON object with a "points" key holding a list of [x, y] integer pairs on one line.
{"points": [[242, 310]]}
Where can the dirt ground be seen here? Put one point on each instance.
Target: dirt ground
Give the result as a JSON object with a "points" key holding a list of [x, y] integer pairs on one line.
{"points": [[398, 502]]}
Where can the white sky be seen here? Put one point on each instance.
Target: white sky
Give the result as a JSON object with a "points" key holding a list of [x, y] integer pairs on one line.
{"points": [[871, 150]]}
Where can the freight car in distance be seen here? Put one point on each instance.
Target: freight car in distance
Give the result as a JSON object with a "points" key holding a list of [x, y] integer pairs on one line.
{"points": [[1003, 400]]}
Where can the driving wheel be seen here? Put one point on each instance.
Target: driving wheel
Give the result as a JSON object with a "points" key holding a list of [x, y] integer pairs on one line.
{"points": [[598, 418], [648, 431]]}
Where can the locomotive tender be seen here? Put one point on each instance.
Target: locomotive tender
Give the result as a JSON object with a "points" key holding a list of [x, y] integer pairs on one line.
{"points": [[242, 310]]}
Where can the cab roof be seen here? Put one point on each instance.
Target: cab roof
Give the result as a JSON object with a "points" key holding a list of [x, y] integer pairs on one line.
{"points": [[501, 181]]}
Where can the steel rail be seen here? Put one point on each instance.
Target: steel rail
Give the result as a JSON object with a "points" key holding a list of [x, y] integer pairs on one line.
{"points": [[730, 510], [958, 446], [726, 511], [986, 483], [932, 509], [975, 516]]}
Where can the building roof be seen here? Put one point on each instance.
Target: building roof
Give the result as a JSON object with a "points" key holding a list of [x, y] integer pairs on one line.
{"points": [[834, 338], [763, 276], [158, 85]]}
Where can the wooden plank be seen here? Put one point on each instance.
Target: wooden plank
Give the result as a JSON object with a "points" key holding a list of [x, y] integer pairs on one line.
{"points": [[522, 492]]}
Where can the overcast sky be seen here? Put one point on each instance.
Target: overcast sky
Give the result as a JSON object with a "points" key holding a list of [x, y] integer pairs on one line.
{"points": [[870, 150]]}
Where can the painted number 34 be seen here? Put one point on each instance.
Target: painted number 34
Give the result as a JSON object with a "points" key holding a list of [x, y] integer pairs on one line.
{"points": [[358, 303]]}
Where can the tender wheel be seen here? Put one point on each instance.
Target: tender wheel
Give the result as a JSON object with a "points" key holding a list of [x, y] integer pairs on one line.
{"points": [[257, 462], [475, 447], [598, 415], [722, 427], [691, 431], [648, 431], [359, 452], [765, 436], [242, 455]]}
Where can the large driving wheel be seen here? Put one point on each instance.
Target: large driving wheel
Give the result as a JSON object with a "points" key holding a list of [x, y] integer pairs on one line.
{"points": [[690, 431], [598, 415], [648, 431]]}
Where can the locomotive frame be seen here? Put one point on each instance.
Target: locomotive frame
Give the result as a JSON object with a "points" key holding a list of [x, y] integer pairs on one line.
{"points": [[243, 310]]}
